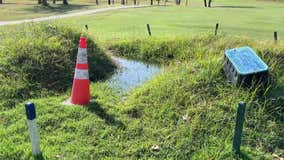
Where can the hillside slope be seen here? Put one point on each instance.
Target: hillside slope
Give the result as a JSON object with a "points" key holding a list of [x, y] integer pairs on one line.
{"points": [[188, 110]]}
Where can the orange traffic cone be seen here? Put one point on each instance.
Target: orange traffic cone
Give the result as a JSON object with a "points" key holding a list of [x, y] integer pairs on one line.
{"points": [[81, 83]]}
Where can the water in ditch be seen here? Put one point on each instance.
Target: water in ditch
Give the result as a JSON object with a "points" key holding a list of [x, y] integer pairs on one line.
{"points": [[132, 73]]}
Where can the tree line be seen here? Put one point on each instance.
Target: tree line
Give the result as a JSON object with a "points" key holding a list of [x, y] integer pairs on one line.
{"points": [[44, 2], [209, 3], [123, 2]]}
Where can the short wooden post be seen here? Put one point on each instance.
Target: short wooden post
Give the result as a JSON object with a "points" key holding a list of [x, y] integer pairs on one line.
{"points": [[275, 36], [216, 29], [149, 29], [239, 127]]}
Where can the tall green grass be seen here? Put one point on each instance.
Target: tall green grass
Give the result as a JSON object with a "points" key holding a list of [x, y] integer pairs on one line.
{"points": [[188, 110], [39, 59], [200, 49], [195, 87]]}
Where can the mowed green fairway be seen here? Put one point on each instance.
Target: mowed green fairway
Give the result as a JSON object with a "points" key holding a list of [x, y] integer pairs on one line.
{"points": [[25, 9], [253, 19]]}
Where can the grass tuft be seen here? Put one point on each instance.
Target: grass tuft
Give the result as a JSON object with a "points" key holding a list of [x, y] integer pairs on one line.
{"points": [[40, 59]]}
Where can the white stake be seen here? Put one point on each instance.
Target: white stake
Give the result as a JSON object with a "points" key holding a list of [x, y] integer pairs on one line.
{"points": [[31, 119]]}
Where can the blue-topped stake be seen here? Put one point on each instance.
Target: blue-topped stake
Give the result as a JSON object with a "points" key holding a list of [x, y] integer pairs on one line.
{"points": [[30, 111], [31, 119], [239, 127]]}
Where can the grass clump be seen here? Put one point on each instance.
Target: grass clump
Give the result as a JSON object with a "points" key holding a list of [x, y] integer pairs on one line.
{"points": [[192, 116], [191, 108], [188, 111], [66, 132], [200, 49], [38, 59]]}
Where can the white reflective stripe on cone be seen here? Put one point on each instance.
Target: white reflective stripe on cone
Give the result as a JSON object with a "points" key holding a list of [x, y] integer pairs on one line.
{"points": [[34, 136], [82, 56], [81, 74]]}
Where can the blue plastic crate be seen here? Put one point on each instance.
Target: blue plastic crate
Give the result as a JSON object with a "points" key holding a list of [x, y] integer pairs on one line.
{"points": [[243, 65]]}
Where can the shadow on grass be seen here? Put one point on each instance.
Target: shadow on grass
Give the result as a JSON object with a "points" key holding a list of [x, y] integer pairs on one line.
{"points": [[8, 3], [20, 3], [244, 156], [235, 7], [274, 107], [278, 92], [59, 8], [39, 157], [94, 107]]}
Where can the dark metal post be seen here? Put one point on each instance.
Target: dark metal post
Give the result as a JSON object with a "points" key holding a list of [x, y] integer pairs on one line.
{"points": [[275, 36], [149, 29], [239, 127], [216, 29], [205, 3]]}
